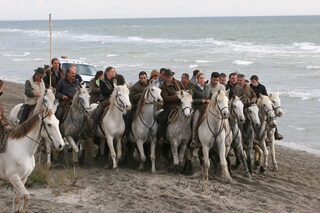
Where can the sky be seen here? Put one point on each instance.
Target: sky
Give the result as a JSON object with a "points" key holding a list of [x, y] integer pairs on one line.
{"points": [[99, 9]]}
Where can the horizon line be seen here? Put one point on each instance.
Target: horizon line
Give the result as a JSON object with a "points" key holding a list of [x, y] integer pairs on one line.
{"points": [[177, 17]]}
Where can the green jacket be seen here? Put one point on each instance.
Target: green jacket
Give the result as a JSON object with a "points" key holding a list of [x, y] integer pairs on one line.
{"points": [[198, 94], [136, 92]]}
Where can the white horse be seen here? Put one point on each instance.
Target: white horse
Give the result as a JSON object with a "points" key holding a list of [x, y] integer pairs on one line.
{"points": [[212, 133], [144, 126], [179, 130], [113, 126], [46, 100], [17, 163], [267, 128]]}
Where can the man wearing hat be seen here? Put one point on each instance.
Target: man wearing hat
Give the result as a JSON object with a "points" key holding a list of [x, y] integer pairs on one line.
{"points": [[33, 89], [169, 90]]}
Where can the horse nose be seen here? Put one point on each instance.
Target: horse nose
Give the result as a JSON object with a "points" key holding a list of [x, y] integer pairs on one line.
{"points": [[257, 124]]}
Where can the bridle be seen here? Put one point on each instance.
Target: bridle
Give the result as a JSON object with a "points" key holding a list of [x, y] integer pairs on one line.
{"points": [[117, 102], [219, 108]]}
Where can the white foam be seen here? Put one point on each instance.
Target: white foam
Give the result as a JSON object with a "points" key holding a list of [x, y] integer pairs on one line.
{"points": [[313, 67], [112, 55], [297, 128], [303, 94], [306, 46], [193, 66], [16, 54], [19, 59], [239, 62], [180, 60], [203, 61], [37, 59]]}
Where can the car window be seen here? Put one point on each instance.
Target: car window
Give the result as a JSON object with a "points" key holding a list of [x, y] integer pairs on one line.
{"points": [[82, 69]]}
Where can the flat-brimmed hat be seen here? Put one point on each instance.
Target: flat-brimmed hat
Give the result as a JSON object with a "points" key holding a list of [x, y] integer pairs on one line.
{"points": [[39, 71], [168, 73]]}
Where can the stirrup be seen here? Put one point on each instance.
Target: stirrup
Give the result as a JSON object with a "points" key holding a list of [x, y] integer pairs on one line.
{"points": [[278, 137]]}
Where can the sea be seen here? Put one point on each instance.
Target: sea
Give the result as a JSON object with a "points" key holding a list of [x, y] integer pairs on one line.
{"points": [[283, 51]]}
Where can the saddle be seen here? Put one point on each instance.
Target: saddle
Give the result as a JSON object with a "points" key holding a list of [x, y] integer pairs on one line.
{"points": [[173, 115], [202, 112], [19, 115], [65, 112], [103, 114]]}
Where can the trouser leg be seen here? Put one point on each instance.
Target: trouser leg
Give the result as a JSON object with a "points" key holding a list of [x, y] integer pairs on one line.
{"points": [[59, 112], [128, 120], [25, 112], [196, 115], [163, 122], [96, 117], [277, 135]]}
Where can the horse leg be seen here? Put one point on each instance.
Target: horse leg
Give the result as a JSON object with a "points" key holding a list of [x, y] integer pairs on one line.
{"points": [[174, 149], [223, 162], [153, 154], [75, 149], [265, 155], [273, 154], [142, 155], [182, 151], [119, 148], [112, 151], [18, 184], [16, 200], [48, 150], [206, 162]]}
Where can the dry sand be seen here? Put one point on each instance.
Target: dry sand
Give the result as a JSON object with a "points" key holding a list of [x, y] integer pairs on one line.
{"points": [[294, 188]]}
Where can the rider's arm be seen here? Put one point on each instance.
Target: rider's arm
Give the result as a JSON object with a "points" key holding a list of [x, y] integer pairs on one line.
{"points": [[59, 89], [105, 89], [28, 90]]}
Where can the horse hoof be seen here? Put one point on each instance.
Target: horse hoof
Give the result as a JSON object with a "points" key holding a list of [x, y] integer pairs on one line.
{"points": [[176, 169], [257, 163], [116, 169], [262, 170]]}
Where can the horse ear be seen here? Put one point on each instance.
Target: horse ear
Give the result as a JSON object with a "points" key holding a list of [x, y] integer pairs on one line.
{"points": [[227, 92], [55, 106], [189, 91], [181, 92]]}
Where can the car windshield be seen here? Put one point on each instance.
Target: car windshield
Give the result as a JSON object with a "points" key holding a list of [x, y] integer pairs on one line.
{"points": [[82, 69]]}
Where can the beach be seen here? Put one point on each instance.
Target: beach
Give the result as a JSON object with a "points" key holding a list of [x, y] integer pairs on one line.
{"points": [[294, 188]]}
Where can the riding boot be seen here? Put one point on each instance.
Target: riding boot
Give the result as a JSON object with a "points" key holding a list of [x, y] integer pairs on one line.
{"points": [[96, 118], [128, 120], [195, 141], [59, 112], [277, 135], [25, 112], [163, 123]]}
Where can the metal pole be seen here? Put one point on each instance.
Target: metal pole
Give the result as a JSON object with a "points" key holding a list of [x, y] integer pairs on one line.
{"points": [[50, 27]]}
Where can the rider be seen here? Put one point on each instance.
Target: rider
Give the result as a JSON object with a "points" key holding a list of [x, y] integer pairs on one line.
{"points": [[232, 85], [249, 95], [169, 90], [160, 79], [154, 75], [66, 89], [187, 84], [106, 88], [214, 85], [223, 79], [260, 89], [56, 74], [4, 124], [136, 92], [33, 90], [201, 95], [95, 87]]}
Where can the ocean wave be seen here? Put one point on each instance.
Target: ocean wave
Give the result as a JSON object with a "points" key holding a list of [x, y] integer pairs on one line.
{"points": [[19, 59], [310, 149], [203, 61], [297, 128], [307, 46], [312, 67], [37, 59], [239, 62], [180, 60], [312, 94], [191, 66], [112, 55], [16, 54]]}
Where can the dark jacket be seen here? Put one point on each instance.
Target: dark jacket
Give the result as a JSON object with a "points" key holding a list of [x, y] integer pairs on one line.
{"points": [[168, 93], [106, 88], [235, 90], [120, 79], [198, 94], [54, 78], [136, 92], [66, 88], [249, 95], [260, 89], [94, 91], [189, 86]]}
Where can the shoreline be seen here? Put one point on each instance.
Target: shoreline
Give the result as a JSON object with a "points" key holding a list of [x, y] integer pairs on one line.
{"points": [[16, 95]]}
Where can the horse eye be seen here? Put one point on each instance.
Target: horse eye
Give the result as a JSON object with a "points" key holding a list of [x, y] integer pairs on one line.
{"points": [[250, 111], [49, 125], [264, 105], [234, 107], [152, 89]]}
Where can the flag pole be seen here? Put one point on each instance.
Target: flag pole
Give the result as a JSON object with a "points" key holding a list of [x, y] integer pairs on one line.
{"points": [[50, 27]]}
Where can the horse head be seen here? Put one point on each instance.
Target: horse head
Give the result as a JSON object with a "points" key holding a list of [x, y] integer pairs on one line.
{"points": [[276, 104], [220, 100], [154, 94], [236, 109], [265, 107], [50, 129], [252, 114], [121, 95], [82, 97], [186, 102], [49, 99]]}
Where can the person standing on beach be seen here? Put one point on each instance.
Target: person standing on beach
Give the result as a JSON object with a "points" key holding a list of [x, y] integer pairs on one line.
{"points": [[214, 85], [188, 85], [66, 89], [95, 91], [33, 89], [56, 74]]}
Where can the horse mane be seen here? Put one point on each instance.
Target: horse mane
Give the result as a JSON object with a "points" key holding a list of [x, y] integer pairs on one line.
{"points": [[212, 102], [75, 97], [263, 99], [140, 103], [24, 128], [116, 89], [39, 105]]}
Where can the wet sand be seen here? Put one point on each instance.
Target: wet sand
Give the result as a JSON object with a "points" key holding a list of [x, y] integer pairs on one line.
{"points": [[294, 188]]}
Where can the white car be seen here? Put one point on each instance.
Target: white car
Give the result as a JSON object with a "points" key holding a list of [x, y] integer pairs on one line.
{"points": [[85, 70]]}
